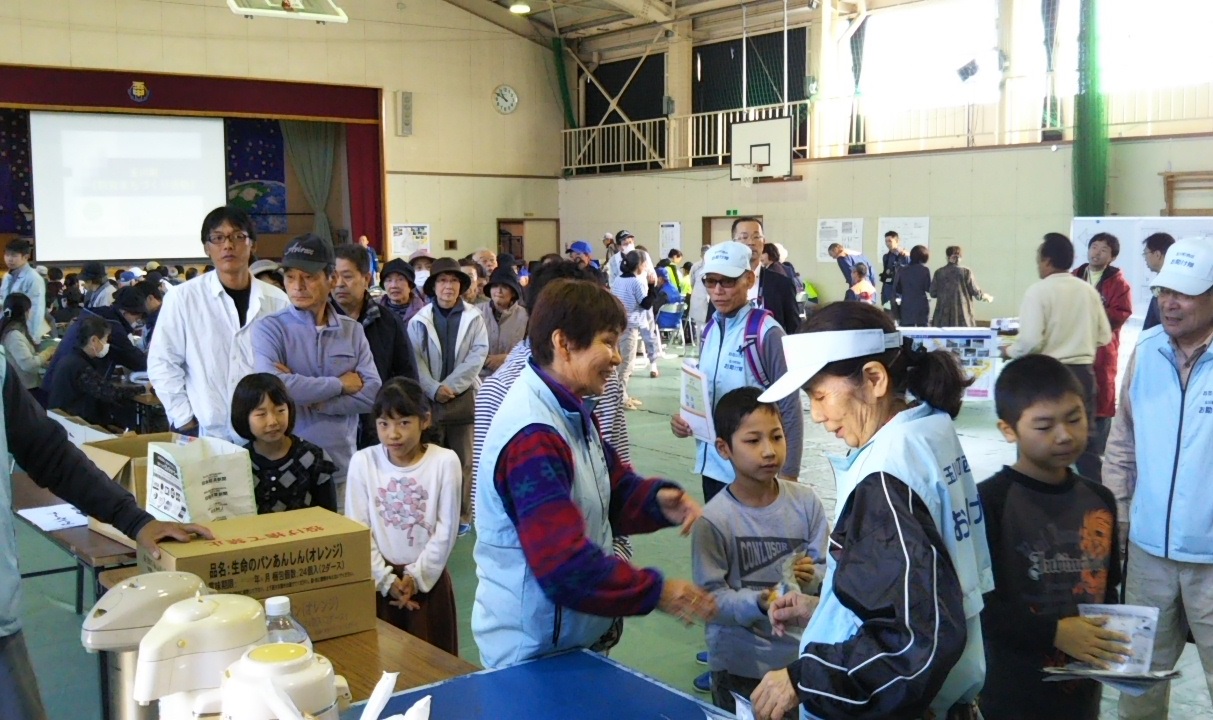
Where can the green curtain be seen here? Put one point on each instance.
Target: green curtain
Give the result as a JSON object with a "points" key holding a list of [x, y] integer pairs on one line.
{"points": [[1090, 178], [311, 147]]}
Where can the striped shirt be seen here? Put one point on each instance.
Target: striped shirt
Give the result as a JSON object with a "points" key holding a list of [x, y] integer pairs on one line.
{"points": [[631, 291]]}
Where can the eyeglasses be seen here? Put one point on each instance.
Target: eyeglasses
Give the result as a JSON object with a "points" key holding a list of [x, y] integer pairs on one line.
{"points": [[746, 237], [726, 283], [239, 238]]}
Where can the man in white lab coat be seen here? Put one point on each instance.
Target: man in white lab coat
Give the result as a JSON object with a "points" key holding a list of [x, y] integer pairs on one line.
{"points": [[203, 337]]}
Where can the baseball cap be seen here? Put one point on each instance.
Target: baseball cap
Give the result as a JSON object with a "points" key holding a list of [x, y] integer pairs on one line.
{"points": [[581, 246], [623, 236], [42, 270], [92, 271], [263, 266], [807, 353], [1188, 268], [126, 276], [730, 259], [151, 265], [310, 253]]}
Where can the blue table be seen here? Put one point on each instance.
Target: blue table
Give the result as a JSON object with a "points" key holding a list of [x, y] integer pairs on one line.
{"points": [[580, 684]]}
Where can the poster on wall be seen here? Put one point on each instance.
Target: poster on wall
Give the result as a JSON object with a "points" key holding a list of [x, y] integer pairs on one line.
{"points": [[912, 231], [1132, 232], [976, 348], [671, 238], [847, 232], [408, 239]]}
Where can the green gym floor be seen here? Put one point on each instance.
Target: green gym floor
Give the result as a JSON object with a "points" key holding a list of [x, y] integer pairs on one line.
{"points": [[656, 645]]}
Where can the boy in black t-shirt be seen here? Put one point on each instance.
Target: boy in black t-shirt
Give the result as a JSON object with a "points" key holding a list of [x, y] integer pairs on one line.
{"points": [[1053, 544]]}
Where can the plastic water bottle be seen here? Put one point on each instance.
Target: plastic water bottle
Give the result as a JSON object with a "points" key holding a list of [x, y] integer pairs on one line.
{"points": [[280, 626]]}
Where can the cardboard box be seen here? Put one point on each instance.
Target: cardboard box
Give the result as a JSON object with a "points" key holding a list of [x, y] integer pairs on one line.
{"points": [[78, 430], [275, 554], [124, 459], [335, 611]]}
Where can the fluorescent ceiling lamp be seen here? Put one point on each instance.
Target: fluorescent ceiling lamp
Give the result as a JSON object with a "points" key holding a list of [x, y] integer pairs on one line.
{"points": [[321, 11], [520, 8]]}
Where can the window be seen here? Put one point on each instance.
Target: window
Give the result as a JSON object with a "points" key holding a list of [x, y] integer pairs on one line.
{"points": [[1164, 43], [643, 99], [717, 81]]}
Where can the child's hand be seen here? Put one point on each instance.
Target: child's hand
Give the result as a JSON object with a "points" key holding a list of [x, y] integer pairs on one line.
{"points": [[1085, 640], [765, 598], [402, 592], [679, 427], [805, 571]]}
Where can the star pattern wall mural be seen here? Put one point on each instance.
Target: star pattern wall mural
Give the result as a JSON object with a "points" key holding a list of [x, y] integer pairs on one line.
{"points": [[256, 172], [16, 174]]}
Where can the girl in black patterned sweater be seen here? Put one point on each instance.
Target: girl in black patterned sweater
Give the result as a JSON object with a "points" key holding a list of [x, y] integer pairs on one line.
{"points": [[291, 473]]}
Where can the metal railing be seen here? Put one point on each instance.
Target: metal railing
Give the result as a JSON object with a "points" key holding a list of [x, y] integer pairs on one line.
{"points": [[1025, 113]]}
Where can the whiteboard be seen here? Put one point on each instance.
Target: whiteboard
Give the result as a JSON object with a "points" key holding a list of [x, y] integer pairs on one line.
{"points": [[912, 231], [671, 237], [847, 232], [1132, 232]]}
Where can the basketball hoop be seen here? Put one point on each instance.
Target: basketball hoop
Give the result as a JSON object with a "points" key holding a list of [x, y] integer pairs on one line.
{"points": [[747, 172]]}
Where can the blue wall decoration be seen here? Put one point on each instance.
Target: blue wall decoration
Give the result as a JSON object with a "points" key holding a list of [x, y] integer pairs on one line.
{"points": [[256, 172], [16, 174]]}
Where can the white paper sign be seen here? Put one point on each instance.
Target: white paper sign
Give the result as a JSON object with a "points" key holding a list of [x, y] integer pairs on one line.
{"points": [[695, 405], [1138, 622], [55, 517], [671, 238], [408, 239], [912, 231], [847, 232]]}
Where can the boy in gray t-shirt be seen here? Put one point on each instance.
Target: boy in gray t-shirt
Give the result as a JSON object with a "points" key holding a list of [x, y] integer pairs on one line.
{"points": [[745, 537]]}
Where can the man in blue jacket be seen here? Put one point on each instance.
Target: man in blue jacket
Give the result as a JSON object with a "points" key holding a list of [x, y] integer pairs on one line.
{"points": [[322, 356], [1157, 464]]}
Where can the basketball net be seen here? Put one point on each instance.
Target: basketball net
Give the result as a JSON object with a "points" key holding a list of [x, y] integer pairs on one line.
{"points": [[748, 172]]}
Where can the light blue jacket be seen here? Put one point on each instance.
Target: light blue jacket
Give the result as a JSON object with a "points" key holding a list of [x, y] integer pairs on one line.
{"points": [[10, 573], [317, 357], [512, 619], [919, 446], [1172, 509], [29, 283], [723, 361]]}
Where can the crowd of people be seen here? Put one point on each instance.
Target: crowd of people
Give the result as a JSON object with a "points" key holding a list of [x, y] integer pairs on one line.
{"points": [[426, 395]]}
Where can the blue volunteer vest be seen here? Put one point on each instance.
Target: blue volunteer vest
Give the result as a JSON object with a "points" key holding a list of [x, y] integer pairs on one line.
{"points": [[919, 447]]}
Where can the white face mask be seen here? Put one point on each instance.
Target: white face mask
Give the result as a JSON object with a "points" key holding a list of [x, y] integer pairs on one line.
{"points": [[105, 349], [422, 276]]}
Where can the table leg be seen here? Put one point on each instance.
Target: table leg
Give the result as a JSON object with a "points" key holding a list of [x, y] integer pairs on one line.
{"points": [[79, 588], [104, 682]]}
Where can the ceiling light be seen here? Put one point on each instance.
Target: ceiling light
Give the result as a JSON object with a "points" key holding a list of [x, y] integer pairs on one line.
{"points": [[520, 8]]}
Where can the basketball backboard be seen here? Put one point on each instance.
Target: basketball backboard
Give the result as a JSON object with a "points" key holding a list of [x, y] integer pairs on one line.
{"points": [[321, 11], [761, 148]]}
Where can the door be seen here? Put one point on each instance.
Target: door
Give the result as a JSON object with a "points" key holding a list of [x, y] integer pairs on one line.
{"points": [[718, 229]]}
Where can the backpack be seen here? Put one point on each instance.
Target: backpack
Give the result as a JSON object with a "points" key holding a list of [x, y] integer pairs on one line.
{"points": [[752, 344]]}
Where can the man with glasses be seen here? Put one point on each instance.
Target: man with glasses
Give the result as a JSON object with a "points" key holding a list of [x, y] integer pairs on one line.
{"points": [[773, 292], [1157, 466], [1155, 254], [203, 338]]}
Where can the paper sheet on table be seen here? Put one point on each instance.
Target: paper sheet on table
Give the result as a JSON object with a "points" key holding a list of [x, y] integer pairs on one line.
{"points": [[745, 711], [55, 517], [1138, 622], [379, 696], [1134, 684], [695, 407]]}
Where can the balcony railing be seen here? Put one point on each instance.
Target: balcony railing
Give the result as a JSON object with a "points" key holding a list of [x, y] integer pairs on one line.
{"points": [[835, 127]]}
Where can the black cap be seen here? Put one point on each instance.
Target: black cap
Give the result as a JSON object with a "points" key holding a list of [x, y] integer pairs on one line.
{"points": [[505, 275], [623, 235], [397, 266], [310, 253], [93, 271]]}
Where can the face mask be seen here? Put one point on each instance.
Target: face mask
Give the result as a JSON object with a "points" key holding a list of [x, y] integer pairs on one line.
{"points": [[105, 349], [422, 276]]}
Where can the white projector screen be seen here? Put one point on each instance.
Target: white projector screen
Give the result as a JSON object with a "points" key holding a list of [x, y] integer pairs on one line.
{"points": [[124, 187]]}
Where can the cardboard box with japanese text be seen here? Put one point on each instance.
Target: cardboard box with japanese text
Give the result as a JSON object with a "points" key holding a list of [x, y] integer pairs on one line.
{"points": [[274, 554], [335, 611], [124, 459]]}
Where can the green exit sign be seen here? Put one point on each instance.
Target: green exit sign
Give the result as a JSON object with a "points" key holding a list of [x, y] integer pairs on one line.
{"points": [[730, 213]]}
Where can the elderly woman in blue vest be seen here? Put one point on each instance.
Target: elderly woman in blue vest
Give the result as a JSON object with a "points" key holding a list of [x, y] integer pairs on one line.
{"points": [[550, 496], [897, 632], [742, 346]]}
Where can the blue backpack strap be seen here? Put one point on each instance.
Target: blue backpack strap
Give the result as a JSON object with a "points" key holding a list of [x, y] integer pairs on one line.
{"points": [[754, 344]]}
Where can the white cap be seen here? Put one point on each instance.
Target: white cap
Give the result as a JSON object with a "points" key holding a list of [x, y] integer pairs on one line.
{"points": [[277, 606], [730, 259], [807, 353], [1188, 268]]}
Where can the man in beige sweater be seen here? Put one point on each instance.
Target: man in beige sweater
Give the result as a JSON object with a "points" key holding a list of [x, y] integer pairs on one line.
{"points": [[1063, 317]]}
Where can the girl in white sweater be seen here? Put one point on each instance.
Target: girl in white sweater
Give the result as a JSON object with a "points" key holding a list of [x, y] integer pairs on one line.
{"points": [[407, 492]]}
